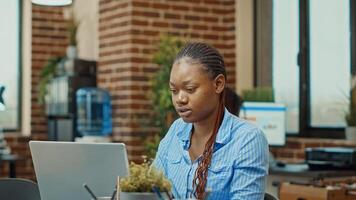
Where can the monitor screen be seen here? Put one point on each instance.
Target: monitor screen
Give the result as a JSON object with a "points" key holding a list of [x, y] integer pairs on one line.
{"points": [[270, 117]]}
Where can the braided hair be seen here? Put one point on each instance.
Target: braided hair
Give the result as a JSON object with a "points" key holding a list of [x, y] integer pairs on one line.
{"points": [[212, 62]]}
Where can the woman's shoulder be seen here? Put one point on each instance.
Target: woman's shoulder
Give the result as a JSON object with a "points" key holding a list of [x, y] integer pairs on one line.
{"points": [[243, 130], [177, 126]]}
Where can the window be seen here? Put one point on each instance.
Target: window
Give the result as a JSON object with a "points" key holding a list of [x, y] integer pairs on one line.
{"points": [[10, 74], [329, 61], [325, 66], [285, 41], [310, 63]]}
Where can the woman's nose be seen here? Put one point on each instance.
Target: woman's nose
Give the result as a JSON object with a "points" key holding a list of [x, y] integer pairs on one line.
{"points": [[182, 98]]}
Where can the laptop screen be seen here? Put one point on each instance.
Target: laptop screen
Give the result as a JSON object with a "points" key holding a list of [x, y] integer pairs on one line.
{"points": [[63, 167]]}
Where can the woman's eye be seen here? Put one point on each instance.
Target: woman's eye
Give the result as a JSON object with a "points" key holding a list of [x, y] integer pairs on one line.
{"points": [[190, 90], [174, 91]]}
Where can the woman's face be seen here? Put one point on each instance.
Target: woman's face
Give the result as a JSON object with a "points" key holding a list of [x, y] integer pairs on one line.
{"points": [[194, 94]]}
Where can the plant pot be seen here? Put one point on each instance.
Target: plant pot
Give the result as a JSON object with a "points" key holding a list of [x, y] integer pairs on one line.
{"points": [[138, 196], [350, 133], [71, 52]]}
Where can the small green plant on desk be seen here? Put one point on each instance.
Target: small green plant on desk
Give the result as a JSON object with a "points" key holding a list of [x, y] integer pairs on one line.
{"points": [[48, 72], [258, 94], [144, 182]]}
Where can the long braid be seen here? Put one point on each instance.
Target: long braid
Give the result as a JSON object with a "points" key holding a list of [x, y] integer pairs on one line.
{"points": [[213, 63], [201, 174]]}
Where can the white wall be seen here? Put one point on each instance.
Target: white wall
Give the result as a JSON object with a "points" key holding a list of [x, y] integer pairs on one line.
{"points": [[26, 67], [244, 44], [87, 13]]}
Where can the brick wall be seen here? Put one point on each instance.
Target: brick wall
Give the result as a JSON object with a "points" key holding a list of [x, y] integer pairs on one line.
{"points": [[128, 33], [48, 39]]}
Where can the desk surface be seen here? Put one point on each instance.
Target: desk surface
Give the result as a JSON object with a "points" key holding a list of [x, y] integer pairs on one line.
{"points": [[302, 170]]}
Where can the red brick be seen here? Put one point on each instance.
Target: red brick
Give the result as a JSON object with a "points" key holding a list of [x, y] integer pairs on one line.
{"points": [[171, 16], [192, 18], [145, 13], [211, 36], [200, 27], [160, 24], [201, 9], [180, 26], [219, 11], [140, 4], [139, 22], [150, 33], [180, 7], [160, 5], [113, 8], [210, 19]]}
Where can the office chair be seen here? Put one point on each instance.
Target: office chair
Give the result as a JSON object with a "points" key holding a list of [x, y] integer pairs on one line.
{"points": [[269, 197], [17, 188]]}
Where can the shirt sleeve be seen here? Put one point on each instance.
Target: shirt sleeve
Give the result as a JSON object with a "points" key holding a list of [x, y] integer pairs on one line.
{"points": [[251, 167], [160, 160]]}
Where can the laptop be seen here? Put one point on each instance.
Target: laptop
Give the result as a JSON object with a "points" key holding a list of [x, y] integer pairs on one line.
{"points": [[63, 167]]}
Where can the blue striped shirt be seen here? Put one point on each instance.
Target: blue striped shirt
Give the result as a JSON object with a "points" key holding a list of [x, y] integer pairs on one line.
{"points": [[239, 164]]}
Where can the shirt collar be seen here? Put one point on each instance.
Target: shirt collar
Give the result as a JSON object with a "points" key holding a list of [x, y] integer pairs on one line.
{"points": [[184, 133], [224, 132]]}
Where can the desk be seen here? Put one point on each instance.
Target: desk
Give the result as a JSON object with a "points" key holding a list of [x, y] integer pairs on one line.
{"points": [[11, 159], [299, 173]]}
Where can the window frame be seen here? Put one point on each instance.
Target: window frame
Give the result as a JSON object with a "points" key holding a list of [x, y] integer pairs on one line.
{"points": [[262, 73], [305, 130], [20, 76]]}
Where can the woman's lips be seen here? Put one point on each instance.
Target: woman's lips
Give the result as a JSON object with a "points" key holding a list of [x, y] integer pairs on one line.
{"points": [[184, 112]]}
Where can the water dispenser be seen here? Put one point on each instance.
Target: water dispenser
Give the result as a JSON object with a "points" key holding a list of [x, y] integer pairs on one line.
{"points": [[93, 113]]}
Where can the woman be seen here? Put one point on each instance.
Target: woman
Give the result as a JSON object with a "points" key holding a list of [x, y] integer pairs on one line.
{"points": [[208, 148]]}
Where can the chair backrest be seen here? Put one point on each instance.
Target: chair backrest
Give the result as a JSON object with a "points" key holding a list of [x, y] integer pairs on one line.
{"points": [[269, 197], [17, 188]]}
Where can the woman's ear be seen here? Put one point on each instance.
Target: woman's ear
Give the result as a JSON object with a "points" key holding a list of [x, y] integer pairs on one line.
{"points": [[219, 83]]}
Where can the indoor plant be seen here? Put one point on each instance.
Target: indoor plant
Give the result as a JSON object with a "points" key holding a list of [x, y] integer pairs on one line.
{"points": [[259, 108], [164, 113], [259, 94], [72, 28], [142, 181], [46, 75], [350, 117]]}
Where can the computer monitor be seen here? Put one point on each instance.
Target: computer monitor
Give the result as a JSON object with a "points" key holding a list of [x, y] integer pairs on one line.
{"points": [[63, 167], [270, 117]]}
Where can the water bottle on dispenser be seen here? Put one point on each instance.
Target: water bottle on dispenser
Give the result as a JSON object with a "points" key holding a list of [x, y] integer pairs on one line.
{"points": [[94, 121]]}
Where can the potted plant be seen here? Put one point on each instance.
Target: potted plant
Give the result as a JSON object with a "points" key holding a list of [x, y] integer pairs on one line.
{"points": [[144, 182], [47, 73], [258, 99], [259, 94], [72, 27], [350, 117], [259, 108], [164, 113]]}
